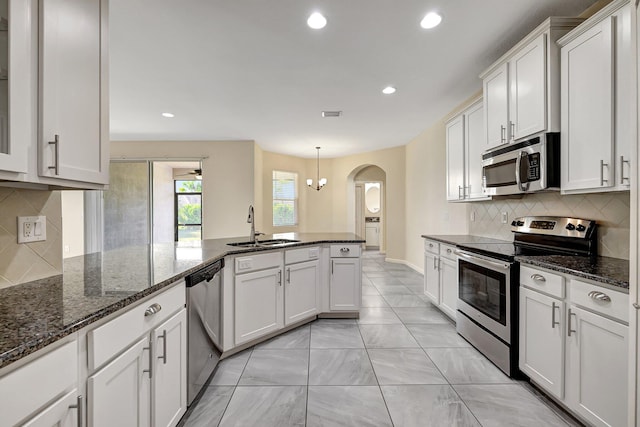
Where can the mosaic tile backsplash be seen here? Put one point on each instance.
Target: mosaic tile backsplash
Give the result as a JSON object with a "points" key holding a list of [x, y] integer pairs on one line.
{"points": [[25, 262], [610, 210]]}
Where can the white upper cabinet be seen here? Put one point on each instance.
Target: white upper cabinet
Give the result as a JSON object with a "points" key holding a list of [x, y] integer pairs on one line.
{"points": [[16, 84], [465, 145], [522, 89], [455, 158], [73, 137], [596, 90]]}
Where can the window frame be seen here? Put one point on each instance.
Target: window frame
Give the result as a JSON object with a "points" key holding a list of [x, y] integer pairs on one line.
{"points": [[176, 195], [294, 199]]}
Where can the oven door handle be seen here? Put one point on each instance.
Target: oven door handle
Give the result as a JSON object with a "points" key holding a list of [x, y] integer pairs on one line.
{"points": [[483, 262]]}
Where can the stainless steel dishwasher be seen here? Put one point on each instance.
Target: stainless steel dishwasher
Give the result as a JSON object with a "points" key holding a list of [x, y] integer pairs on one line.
{"points": [[204, 325]]}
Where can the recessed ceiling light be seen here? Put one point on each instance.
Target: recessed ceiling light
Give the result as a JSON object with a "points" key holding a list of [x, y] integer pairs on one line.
{"points": [[389, 90], [168, 115], [316, 21], [430, 20]]}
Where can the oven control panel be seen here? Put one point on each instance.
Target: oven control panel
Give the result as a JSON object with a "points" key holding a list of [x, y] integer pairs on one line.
{"points": [[556, 226]]}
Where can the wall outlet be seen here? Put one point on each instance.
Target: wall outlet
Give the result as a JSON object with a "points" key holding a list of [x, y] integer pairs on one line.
{"points": [[32, 229], [505, 217]]}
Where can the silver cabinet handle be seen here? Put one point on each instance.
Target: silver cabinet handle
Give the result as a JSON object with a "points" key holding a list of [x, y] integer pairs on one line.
{"points": [[279, 280], [602, 166], [553, 315], [569, 330], [503, 139], [513, 130], [164, 346], [435, 263], [460, 192], [288, 275], [622, 162], [538, 277], [430, 245], [448, 251], [344, 250], [56, 144], [150, 370], [599, 296], [80, 414], [152, 309], [636, 306]]}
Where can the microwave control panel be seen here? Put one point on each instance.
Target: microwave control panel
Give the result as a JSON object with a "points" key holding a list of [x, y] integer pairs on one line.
{"points": [[533, 174]]}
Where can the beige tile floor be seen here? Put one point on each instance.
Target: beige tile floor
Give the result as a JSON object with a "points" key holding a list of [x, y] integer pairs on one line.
{"points": [[400, 364]]}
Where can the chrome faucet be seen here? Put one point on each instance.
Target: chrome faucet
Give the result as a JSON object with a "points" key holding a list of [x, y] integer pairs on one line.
{"points": [[251, 220]]}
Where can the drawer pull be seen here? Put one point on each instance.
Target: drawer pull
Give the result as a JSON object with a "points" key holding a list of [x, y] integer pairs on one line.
{"points": [[599, 296], [344, 250], [636, 306], [430, 245], [152, 309], [538, 277], [448, 251]]}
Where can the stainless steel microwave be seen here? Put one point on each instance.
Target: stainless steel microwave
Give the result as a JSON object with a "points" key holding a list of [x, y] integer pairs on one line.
{"points": [[522, 167]]}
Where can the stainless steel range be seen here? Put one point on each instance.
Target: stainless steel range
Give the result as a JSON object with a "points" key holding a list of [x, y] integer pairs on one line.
{"points": [[488, 281]]}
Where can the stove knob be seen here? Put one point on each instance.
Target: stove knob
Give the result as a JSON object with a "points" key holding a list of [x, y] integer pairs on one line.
{"points": [[513, 223], [581, 227], [520, 223], [570, 227]]}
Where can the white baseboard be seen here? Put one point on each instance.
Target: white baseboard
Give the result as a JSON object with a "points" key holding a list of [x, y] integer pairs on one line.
{"points": [[407, 263]]}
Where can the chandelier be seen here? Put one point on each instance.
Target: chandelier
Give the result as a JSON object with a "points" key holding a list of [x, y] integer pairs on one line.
{"points": [[320, 182]]}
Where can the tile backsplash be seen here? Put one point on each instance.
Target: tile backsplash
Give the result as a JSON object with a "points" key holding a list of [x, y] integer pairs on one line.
{"points": [[21, 263], [610, 210]]}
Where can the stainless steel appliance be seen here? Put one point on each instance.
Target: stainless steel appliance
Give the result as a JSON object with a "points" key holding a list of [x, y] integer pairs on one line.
{"points": [[204, 325], [522, 167], [488, 281]]}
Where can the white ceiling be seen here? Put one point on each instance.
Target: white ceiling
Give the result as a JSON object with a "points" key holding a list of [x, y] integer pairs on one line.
{"points": [[253, 70]]}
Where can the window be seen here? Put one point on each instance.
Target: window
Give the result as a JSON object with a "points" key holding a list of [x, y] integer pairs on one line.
{"points": [[188, 205], [285, 198]]}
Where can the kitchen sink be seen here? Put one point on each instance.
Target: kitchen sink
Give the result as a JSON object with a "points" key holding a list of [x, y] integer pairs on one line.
{"points": [[265, 243]]}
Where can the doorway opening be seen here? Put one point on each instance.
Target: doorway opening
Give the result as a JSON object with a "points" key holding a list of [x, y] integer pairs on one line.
{"points": [[369, 184]]}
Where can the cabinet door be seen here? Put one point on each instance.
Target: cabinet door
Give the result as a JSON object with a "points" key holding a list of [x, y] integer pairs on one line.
{"points": [[73, 140], [624, 122], [371, 235], [301, 291], [17, 85], [344, 289], [62, 413], [455, 158], [449, 287], [597, 356], [475, 145], [169, 381], [119, 394], [542, 340], [528, 90], [587, 110], [258, 305], [432, 277], [496, 106]]}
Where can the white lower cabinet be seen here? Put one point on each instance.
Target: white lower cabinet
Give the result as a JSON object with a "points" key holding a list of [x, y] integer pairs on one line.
{"points": [[344, 289], [119, 394], [65, 412], [542, 340], [597, 372], [258, 304], [574, 344], [441, 276], [301, 291]]}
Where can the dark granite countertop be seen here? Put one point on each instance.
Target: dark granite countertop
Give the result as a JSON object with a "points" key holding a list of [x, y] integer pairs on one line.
{"points": [[36, 314], [611, 271], [459, 239]]}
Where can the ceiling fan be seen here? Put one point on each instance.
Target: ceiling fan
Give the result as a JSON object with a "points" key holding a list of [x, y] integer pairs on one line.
{"points": [[196, 172]]}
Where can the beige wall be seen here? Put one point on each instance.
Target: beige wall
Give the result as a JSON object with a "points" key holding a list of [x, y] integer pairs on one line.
{"points": [[21, 263], [227, 178], [72, 223]]}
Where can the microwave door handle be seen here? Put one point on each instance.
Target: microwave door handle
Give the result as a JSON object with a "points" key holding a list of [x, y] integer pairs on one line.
{"points": [[522, 186]]}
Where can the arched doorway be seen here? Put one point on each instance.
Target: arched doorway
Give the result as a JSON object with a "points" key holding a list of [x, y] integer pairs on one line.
{"points": [[366, 205]]}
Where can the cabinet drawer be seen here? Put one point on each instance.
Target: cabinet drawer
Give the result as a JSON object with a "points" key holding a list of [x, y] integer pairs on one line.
{"points": [[448, 251], [542, 281], [345, 251], [300, 255], [431, 246], [30, 387], [601, 300], [249, 263], [114, 336]]}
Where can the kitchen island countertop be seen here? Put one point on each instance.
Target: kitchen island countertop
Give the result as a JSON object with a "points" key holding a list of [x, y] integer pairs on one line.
{"points": [[36, 314]]}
